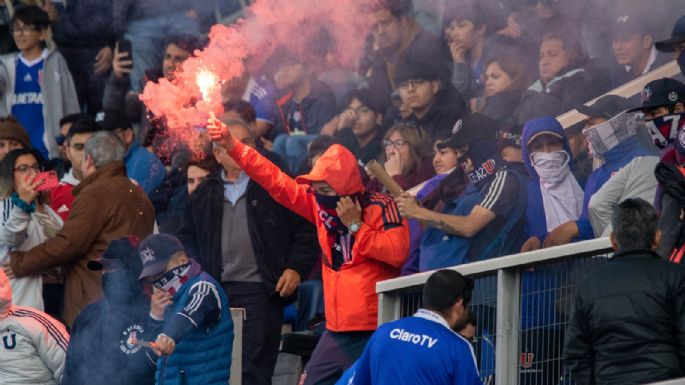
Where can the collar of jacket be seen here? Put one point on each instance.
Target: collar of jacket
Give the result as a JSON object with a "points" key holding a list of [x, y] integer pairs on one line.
{"points": [[634, 253], [105, 172]]}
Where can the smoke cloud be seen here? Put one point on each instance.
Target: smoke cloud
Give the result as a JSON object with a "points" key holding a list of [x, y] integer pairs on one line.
{"points": [[319, 32]]}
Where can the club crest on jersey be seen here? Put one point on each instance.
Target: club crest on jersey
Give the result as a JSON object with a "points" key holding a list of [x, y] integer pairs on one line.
{"points": [[129, 335], [10, 345]]}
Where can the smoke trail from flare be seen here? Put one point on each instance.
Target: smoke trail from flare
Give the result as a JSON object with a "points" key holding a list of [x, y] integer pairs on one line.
{"points": [[295, 26]]}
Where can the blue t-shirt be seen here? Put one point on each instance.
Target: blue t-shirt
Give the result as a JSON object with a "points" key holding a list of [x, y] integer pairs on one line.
{"points": [[27, 106], [418, 350], [260, 94]]}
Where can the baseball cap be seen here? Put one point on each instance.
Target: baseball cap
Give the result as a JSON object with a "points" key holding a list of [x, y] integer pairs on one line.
{"points": [[155, 252], [120, 253], [10, 128], [660, 93], [605, 107], [677, 36], [510, 137], [470, 128], [546, 125], [630, 21], [111, 119]]}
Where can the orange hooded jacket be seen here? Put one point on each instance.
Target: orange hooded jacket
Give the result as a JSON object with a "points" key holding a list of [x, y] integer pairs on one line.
{"points": [[379, 251]]}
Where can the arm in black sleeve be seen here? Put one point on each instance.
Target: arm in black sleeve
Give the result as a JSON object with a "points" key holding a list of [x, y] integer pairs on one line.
{"points": [[305, 246], [578, 354], [187, 234], [203, 307]]}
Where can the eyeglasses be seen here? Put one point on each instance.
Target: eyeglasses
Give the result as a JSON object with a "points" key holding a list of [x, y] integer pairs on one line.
{"points": [[24, 30], [413, 83], [25, 168], [398, 144]]}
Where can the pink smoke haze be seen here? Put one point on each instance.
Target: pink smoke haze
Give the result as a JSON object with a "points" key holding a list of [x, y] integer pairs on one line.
{"points": [[295, 25]]}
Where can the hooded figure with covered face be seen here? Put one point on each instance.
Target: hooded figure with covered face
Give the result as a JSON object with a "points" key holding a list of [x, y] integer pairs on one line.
{"points": [[103, 349], [33, 345]]}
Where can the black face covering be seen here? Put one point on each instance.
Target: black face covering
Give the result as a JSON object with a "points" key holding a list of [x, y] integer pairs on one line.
{"points": [[327, 202], [120, 286]]}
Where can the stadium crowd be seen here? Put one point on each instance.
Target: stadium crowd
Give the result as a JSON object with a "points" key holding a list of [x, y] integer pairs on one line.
{"points": [[124, 249]]}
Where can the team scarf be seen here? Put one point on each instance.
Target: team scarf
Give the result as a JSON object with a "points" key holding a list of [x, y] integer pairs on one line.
{"points": [[172, 280]]}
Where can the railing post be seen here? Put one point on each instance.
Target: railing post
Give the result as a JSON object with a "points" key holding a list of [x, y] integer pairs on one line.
{"points": [[388, 306], [507, 342]]}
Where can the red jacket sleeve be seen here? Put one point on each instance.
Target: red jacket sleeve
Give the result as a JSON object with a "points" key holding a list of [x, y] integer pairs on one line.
{"points": [[384, 236], [281, 187]]}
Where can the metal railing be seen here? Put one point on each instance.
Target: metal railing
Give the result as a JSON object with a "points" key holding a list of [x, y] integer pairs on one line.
{"points": [[521, 302]]}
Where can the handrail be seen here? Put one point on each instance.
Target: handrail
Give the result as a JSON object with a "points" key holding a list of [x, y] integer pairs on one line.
{"points": [[551, 254], [627, 90]]}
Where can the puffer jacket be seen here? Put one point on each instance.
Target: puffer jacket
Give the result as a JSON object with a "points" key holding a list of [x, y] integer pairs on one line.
{"points": [[628, 322], [378, 253], [33, 347]]}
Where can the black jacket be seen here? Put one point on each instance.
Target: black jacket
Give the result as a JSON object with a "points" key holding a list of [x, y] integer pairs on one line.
{"points": [[628, 322], [439, 121], [280, 238]]}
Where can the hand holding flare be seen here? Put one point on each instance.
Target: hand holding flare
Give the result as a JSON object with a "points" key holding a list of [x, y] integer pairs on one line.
{"points": [[219, 133]]}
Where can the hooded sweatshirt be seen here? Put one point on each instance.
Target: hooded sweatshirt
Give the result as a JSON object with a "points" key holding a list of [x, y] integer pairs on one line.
{"points": [[374, 253]]}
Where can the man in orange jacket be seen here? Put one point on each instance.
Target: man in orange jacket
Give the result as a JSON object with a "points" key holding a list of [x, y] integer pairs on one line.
{"points": [[363, 238]]}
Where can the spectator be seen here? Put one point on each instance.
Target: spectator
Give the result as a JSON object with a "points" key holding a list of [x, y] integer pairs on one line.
{"points": [[92, 224], [675, 44], [504, 79], [6, 42], [554, 195], [470, 30], [435, 105], [34, 344], [12, 136], [64, 127], [199, 172], [260, 93], [566, 77], [407, 157], [398, 36], [46, 91], [618, 145], [61, 197], [634, 180], [27, 219], [102, 349], [424, 349], [612, 336], [358, 127], [142, 166], [118, 96], [259, 265], [194, 312], [149, 22], [490, 216], [671, 178], [581, 167], [633, 46], [509, 144], [365, 234], [305, 107], [87, 47]]}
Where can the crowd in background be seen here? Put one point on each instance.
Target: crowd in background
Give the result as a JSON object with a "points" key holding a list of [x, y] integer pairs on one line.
{"points": [[457, 100]]}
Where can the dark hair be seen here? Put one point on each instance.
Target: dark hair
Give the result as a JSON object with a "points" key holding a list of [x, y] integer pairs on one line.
{"points": [[86, 125], [444, 288], [242, 108], [319, 145], [366, 97], [634, 224], [570, 40], [398, 8], [72, 118], [32, 15], [187, 43], [513, 66], [470, 318], [207, 163], [7, 165], [478, 12]]}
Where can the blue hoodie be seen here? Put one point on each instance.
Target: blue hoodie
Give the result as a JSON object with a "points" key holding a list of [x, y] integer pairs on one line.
{"points": [[536, 223]]}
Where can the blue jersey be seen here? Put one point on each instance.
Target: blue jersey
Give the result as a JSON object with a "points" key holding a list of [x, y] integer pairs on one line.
{"points": [[418, 350], [27, 106], [260, 94]]}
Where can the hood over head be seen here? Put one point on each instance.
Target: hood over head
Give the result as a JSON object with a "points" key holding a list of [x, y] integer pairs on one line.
{"points": [[337, 167], [536, 127]]}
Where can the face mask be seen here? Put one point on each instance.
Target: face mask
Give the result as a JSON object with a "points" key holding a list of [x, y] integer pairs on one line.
{"points": [[552, 167], [681, 62], [664, 129], [120, 286], [172, 281], [607, 135], [326, 201]]}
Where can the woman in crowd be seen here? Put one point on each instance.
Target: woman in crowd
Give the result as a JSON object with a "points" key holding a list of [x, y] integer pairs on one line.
{"points": [[407, 157], [504, 78], [27, 219]]}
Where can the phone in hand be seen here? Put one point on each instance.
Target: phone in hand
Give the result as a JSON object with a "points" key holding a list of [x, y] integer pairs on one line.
{"points": [[124, 45], [48, 180]]}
